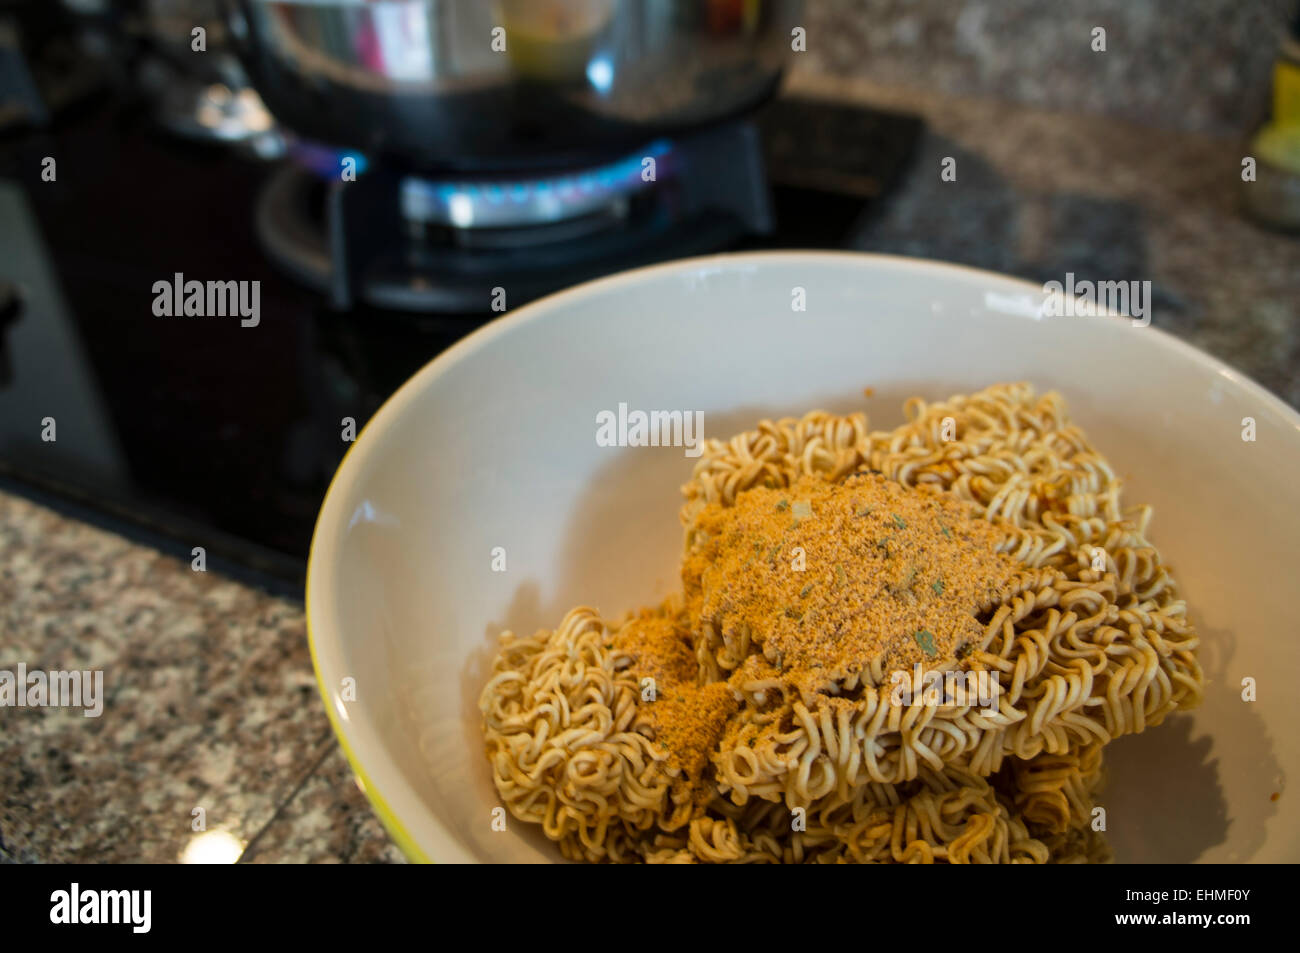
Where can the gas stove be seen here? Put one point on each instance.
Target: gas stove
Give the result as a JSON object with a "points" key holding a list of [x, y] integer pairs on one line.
{"points": [[395, 237], [205, 430]]}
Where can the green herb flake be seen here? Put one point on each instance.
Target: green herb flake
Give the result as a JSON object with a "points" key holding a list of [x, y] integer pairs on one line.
{"points": [[898, 521], [783, 506], [803, 593], [840, 576], [865, 511], [945, 531], [926, 641], [937, 586], [964, 650]]}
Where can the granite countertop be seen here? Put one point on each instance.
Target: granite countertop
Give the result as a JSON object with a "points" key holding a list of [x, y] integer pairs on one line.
{"points": [[211, 701], [1041, 193]]}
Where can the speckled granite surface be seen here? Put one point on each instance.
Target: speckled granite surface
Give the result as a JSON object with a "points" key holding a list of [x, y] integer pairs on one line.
{"points": [[1199, 65], [210, 703], [1041, 193], [328, 821], [211, 697]]}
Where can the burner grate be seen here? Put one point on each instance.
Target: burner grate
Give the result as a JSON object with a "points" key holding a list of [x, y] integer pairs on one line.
{"points": [[394, 239]]}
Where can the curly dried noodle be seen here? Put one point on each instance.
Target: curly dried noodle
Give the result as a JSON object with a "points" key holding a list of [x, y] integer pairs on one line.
{"points": [[756, 748]]}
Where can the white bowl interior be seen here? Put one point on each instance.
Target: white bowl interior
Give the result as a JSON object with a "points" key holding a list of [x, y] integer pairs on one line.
{"points": [[493, 445]]}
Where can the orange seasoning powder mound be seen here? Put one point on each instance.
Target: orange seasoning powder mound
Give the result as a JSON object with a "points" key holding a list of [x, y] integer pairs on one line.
{"points": [[827, 577], [687, 720]]}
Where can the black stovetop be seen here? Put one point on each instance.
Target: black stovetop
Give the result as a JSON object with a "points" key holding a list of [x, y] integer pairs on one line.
{"points": [[195, 431]]}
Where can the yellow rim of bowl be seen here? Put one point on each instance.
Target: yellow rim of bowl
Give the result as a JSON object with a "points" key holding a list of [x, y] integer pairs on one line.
{"points": [[387, 816]]}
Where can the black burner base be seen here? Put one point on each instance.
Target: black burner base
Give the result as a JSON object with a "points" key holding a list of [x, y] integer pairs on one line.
{"points": [[350, 240]]}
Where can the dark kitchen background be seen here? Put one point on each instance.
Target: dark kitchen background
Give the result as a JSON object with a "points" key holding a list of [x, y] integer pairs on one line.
{"points": [[182, 432]]}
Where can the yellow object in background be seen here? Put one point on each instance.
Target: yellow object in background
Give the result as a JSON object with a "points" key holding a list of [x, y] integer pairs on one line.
{"points": [[1278, 142], [1286, 92], [1272, 196]]}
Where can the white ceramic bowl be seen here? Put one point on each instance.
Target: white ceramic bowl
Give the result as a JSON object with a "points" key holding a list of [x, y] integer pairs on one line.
{"points": [[493, 445]]}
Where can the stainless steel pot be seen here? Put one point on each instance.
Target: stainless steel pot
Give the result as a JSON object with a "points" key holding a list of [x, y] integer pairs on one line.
{"points": [[475, 84]]}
